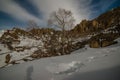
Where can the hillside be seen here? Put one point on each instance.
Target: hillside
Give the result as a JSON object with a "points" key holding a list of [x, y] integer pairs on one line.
{"points": [[18, 45], [83, 64]]}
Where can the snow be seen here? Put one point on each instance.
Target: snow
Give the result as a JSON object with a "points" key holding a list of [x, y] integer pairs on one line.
{"points": [[31, 43], [65, 68], [83, 64], [4, 49], [25, 41], [17, 56], [1, 32], [82, 39], [3, 52], [14, 54]]}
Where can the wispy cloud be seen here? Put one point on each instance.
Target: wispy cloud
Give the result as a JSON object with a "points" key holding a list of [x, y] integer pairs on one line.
{"points": [[16, 11], [80, 8], [100, 7]]}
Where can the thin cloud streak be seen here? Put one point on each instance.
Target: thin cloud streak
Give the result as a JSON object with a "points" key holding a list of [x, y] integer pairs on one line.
{"points": [[80, 8], [100, 7], [16, 11]]}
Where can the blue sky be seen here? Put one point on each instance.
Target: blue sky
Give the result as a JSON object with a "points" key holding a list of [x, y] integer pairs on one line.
{"points": [[16, 13]]}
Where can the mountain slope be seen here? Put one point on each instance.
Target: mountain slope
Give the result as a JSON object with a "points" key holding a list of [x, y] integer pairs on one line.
{"points": [[104, 21], [24, 45], [85, 64]]}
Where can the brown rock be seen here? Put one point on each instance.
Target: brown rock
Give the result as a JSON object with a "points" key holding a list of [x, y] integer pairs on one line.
{"points": [[95, 23], [7, 58], [94, 44], [107, 43], [34, 55]]}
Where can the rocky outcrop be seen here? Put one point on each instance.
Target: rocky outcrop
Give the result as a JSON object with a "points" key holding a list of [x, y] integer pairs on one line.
{"points": [[102, 40], [104, 21]]}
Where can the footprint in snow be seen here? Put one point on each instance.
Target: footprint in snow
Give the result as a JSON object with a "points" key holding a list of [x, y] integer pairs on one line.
{"points": [[65, 68], [89, 59]]}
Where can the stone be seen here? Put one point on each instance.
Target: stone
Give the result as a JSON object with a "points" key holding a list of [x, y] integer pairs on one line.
{"points": [[7, 58], [94, 44]]}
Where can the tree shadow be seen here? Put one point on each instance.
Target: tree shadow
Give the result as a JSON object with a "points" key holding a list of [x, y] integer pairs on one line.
{"points": [[29, 73]]}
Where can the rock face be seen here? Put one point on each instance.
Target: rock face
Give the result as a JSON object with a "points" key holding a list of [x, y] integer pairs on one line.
{"points": [[104, 21], [106, 27], [107, 43], [101, 43]]}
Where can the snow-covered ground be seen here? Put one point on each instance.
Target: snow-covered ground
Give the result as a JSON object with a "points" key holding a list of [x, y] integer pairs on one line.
{"points": [[83, 64]]}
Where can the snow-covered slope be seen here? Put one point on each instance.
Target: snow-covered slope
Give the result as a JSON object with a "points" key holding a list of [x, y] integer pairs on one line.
{"points": [[83, 64], [18, 55]]}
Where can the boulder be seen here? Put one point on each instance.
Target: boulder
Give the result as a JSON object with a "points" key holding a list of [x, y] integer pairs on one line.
{"points": [[94, 44], [107, 43], [103, 43], [34, 55], [37, 54], [7, 58]]}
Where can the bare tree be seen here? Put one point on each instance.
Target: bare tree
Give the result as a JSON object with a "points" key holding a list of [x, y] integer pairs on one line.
{"points": [[64, 20], [32, 24]]}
